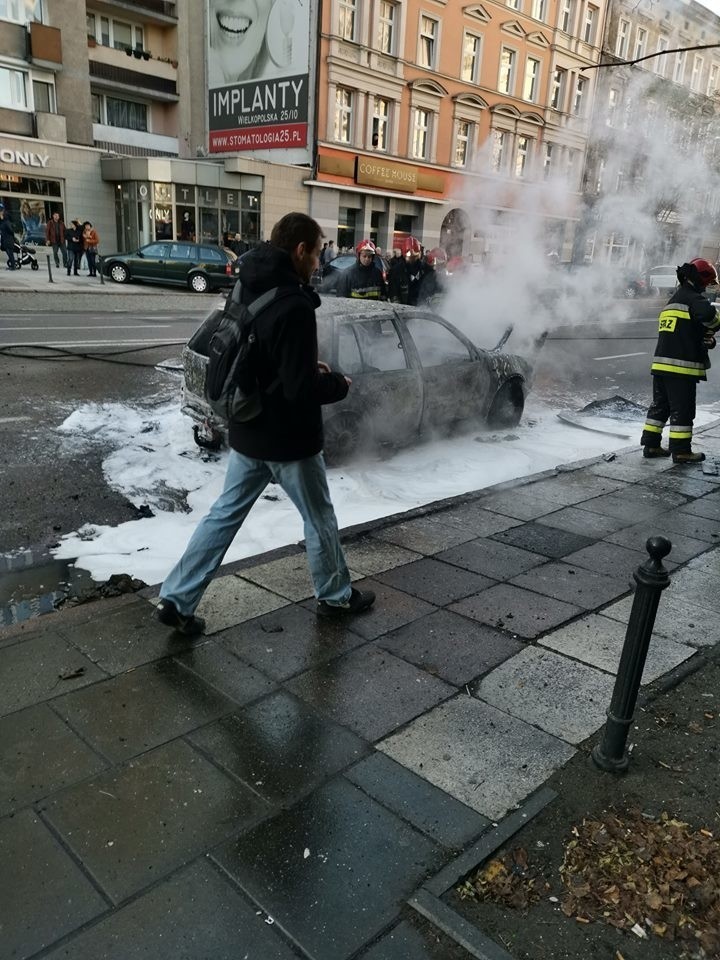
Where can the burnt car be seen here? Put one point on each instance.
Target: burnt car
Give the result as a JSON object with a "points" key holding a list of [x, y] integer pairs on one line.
{"points": [[413, 374]]}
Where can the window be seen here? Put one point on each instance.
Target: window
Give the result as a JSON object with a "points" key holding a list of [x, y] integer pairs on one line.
{"points": [[157, 251], [114, 33], [547, 160], [349, 360], [697, 69], [506, 83], [661, 62], [522, 152], [43, 96], [386, 27], [380, 345], [623, 37], [381, 115], [566, 16], [613, 100], [428, 41], [712, 87], [500, 140], [342, 131], [557, 99], [420, 134], [571, 165], [679, 68], [21, 11], [346, 19], [436, 344], [128, 114], [462, 143], [13, 90], [590, 24], [470, 58], [514, 4], [183, 251], [640, 43], [532, 74], [538, 9], [578, 104]]}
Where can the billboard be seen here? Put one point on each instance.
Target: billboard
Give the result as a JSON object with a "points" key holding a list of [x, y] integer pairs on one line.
{"points": [[258, 66]]}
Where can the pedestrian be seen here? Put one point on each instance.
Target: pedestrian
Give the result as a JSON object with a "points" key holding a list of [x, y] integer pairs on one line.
{"points": [[91, 241], [55, 238], [238, 246], [283, 443], [686, 329], [323, 255], [74, 240], [364, 280], [331, 252], [7, 238]]}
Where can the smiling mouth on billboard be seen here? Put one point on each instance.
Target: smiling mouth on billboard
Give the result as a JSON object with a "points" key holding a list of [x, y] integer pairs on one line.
{"points": [[235, 26]]}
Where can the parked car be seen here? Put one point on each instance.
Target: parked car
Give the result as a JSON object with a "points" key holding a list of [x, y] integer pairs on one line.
{"points": [[635, 286], [413, 373], [200, 267], [662, 279]]}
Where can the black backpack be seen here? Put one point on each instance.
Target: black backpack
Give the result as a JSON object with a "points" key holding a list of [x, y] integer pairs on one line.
{"points": [[231, 387]]}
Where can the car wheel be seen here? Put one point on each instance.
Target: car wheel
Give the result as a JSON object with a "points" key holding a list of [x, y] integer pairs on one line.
{"points": [[198, 282], [507, 407], [343, 435], [119, 272], [630, 291]]}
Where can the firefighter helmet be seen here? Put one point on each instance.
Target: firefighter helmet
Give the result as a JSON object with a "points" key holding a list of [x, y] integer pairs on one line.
{"points": [[411, 247], [707, 272], [436, 257], [365, 245]]}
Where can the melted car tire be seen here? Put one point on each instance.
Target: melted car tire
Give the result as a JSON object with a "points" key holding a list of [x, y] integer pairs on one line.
{"points": [[343, 433], [507, 407]]}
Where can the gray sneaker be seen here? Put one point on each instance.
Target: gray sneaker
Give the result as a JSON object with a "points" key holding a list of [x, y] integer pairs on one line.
{"points": [[360, 600]]}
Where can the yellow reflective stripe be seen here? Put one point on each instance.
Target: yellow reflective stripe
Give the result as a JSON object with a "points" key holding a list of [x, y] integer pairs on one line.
{"points": [[676, 435], [667, 368], [666, 324], [649, 428]]}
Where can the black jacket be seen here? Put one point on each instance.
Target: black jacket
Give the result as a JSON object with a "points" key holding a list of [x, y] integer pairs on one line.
{"points": [[291, 386], [7, 234], [362, 282], [682, 325]]}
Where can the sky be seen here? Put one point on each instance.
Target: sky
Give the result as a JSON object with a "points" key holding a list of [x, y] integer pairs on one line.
{"points": [[154, 460]]}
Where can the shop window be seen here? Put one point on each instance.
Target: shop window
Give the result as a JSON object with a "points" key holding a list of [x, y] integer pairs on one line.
{"points": [[13, 89], [250, 209], [21, 11], [43, 96], [347, 217]]}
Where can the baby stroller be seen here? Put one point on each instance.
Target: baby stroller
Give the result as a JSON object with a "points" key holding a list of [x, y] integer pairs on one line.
{"points": [[24, 255]]}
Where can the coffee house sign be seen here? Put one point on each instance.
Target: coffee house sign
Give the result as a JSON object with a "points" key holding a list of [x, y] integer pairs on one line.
{"points": [[24, 158], [380, 173]]}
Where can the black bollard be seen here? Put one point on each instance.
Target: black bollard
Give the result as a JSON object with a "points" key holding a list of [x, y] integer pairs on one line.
{"points": [[100, 264], [651, 578], [50, 279]]}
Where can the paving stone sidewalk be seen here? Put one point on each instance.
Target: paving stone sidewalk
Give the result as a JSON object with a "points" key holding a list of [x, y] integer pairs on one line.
{"points": [[281, 787]]}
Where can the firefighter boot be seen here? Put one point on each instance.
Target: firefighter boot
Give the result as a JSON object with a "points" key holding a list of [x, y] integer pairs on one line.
{"points": [[688, 457], [654, 452]]}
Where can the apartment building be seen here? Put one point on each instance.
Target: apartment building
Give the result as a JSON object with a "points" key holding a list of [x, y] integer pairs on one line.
{"points": [[103, 116], [668, 102], [431, 111]]}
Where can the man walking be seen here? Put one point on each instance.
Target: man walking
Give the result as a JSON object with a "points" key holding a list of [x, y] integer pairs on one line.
{"points": [[74, 237], [55, 238], [283, 443]]}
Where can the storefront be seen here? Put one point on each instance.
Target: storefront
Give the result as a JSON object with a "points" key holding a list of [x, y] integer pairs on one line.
{"points": [[158, 199], [356, 196]]}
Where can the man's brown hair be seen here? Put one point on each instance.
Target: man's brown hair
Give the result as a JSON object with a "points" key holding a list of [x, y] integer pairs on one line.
{"points": [[295, 228]]}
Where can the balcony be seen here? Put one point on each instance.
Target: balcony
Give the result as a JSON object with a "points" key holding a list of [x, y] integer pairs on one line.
{"points": [[162, 12], [156, 80], [19, 122], [13, 41], [45, 46]]}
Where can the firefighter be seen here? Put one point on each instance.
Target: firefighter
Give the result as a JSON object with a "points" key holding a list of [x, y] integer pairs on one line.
{"points": [[364, 279], [415, 269], [432, 285], [686, 329]]}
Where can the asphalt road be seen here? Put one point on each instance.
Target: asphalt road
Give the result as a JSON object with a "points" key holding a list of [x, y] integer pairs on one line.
{"points": [[51, 485]]}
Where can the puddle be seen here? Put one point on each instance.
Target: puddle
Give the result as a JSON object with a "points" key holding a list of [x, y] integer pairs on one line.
{"points": [[32, 584]]}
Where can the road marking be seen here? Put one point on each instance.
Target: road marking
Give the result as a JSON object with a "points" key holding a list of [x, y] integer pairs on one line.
{"points": [[91, 343], [622, 356], [123, 326], [12, 419]]}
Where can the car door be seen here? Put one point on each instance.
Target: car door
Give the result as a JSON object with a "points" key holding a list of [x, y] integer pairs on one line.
{"points": [[456, 377], [150, 264], [182, 256], [213, 261], [386, 391]]}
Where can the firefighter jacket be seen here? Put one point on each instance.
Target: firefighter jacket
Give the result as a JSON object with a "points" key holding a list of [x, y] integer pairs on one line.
{"points": [[362, 283], [683, 323]]}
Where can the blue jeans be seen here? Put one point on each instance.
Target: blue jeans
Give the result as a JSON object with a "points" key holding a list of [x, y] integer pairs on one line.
{"points": [[305, 482]]}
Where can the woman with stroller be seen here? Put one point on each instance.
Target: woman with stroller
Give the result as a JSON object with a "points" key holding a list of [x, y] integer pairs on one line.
{"points": [[7, 238]]}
